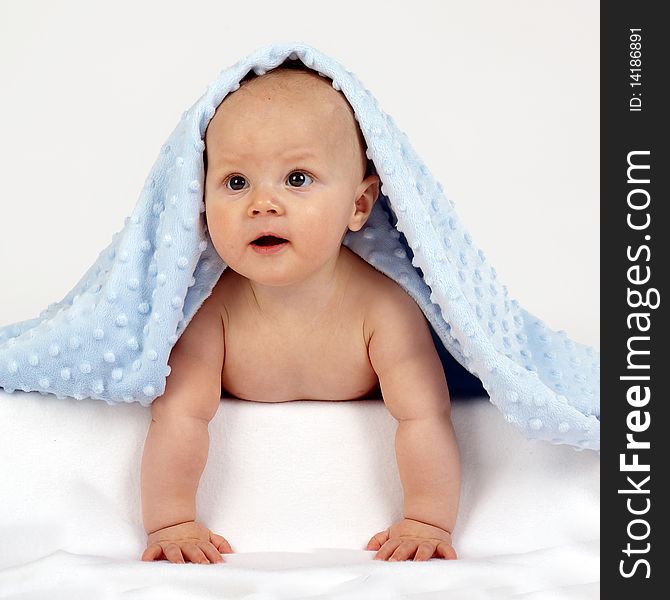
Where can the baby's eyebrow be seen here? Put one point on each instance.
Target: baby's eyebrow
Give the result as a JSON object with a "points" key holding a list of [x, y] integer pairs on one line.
{"points": [[298, 154], [293, 154]]}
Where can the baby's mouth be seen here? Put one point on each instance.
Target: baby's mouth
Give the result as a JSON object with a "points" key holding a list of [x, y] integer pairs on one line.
{"points": [[268, 240]]}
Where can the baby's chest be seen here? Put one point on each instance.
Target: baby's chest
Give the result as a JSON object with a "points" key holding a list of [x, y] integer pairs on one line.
{"points": [[301, 362]]}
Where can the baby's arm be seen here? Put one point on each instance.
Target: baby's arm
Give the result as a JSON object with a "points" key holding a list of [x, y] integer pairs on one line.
{"points": [[415, 391], [177, 444]]}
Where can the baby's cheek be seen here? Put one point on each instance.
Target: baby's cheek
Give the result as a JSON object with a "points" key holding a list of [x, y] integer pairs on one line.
{"points": [[229, 253], [220, 231], [323, 235], [222, 242]]}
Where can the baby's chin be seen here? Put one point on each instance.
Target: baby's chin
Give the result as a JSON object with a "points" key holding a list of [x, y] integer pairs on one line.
{"points": [[279, 276], [269, 275]]}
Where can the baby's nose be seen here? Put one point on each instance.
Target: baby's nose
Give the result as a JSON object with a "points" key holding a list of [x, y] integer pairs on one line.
{"points": [[260, 210], [264, 204]]}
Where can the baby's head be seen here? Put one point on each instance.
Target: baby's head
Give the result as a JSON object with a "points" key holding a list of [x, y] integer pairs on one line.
{"points": [[285, 155]]}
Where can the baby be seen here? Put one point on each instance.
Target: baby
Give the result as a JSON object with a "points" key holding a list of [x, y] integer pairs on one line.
{"points": [[297, 315]]}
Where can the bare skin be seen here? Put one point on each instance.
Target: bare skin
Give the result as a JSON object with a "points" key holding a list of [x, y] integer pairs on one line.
{"points": [[343, 330], [289, 352]]}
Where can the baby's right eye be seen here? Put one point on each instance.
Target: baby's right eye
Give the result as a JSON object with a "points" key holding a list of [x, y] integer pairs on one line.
{"points": [[235, 180]]}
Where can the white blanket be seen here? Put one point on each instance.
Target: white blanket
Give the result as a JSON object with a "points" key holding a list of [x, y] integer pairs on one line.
{"points": [[298, 489]]}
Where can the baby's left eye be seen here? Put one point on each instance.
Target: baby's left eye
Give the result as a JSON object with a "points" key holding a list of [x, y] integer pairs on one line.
{"points": [[298, 177]]}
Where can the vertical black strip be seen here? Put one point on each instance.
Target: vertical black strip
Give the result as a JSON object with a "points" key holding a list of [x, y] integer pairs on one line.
{"points": [[634, 193]]}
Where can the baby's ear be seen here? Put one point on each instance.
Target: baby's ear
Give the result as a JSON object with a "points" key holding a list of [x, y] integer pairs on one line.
{"points": [[366, 196]]}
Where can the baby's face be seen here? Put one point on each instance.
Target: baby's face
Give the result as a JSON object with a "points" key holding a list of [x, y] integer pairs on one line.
{"points": [[283, 159]]}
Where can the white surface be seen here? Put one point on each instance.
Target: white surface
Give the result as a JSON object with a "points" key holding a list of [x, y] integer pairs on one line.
{"points": [[298, 489], [500, 100]]}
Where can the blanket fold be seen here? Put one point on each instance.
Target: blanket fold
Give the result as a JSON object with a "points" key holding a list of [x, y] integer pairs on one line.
{"points": [[111, 336]]}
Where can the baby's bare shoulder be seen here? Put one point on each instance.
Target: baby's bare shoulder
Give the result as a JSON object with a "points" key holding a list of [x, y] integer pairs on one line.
{"points": [[402, 353], [392, 309], [386, 305], [368, 280], [389, 311]]}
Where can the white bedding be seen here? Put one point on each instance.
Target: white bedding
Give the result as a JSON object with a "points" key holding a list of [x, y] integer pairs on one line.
{"points": [[298, 489]]}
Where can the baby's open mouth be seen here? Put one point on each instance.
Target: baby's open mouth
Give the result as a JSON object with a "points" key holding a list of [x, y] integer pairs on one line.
{"points": [[268, 240]]}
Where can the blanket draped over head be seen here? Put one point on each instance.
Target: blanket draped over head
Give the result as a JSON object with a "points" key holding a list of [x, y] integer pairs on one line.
{"points": [[111, 336]]}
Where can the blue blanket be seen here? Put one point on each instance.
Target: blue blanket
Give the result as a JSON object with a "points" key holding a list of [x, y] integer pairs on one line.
{"points": [[110, 337]]}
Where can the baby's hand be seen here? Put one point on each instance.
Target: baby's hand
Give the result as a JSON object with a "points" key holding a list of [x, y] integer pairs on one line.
{"points": [[197, 543], [406, 537]]}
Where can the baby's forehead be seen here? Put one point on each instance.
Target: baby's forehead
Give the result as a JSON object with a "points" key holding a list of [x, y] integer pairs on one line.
{"points": [[307, 89], [301, 92], [301, 113]]}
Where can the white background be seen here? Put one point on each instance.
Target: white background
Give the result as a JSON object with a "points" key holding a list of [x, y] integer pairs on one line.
{"points": [[500, 99]]}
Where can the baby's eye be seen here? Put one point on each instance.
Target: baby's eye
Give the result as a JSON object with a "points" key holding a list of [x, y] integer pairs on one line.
{"points": [[298, 177], [236, 180]]}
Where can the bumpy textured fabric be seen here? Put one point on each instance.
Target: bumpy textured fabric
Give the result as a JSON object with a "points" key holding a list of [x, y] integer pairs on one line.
{"points": [[110, 337]]}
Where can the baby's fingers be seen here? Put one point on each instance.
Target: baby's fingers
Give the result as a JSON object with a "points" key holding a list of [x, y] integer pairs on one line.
{"points": [[173, 553], [153, 552], [387, 549], [425, 551], [405, 550], [193, 552], [446, 550], [212, 554], [220, 543], [378, 540]]}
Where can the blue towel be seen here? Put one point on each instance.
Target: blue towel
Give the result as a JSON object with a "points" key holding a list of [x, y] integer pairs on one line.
{"points": [[110, 337]]}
